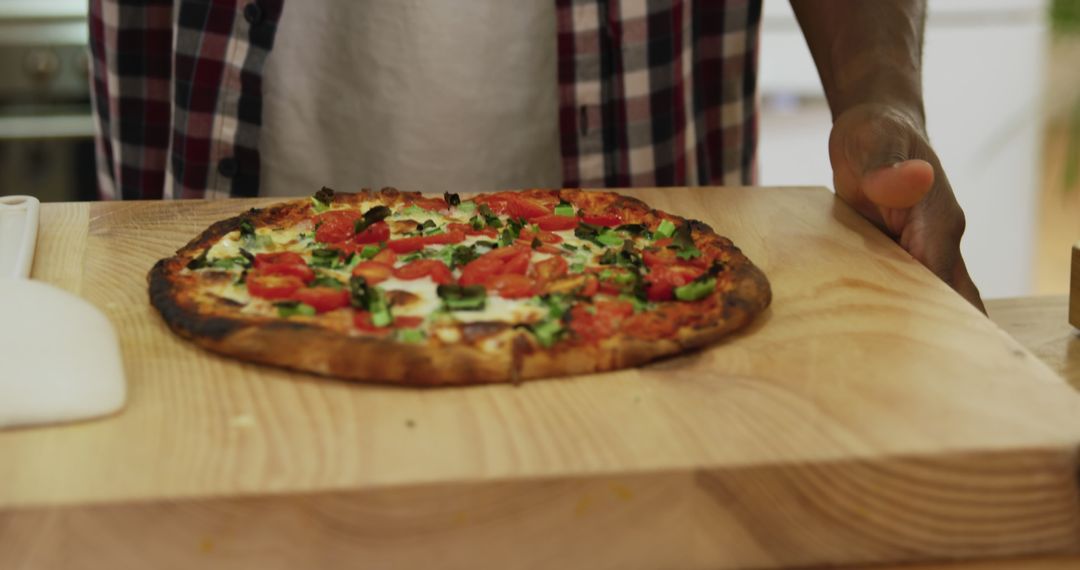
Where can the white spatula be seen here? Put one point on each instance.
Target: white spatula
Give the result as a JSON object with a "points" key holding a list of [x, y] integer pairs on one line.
{"points": [[59, 356]]}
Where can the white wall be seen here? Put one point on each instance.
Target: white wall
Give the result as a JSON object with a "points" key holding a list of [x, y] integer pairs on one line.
{"points": [[982, 80]]}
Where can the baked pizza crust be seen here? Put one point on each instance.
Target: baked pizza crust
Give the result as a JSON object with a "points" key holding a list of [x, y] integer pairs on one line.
{"points": [[506, 355]]}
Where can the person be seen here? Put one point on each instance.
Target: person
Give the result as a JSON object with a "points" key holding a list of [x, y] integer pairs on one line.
{"points": [[265, 97]]}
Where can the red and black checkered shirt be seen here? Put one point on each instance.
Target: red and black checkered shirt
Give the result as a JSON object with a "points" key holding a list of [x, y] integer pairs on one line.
{"points": [[651, 93]]}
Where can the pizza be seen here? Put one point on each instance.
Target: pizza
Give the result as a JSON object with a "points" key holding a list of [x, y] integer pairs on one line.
{"points": [[407, 288]]}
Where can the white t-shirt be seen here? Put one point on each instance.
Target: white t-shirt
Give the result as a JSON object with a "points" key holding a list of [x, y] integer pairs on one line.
{"points": [[429, 95]]}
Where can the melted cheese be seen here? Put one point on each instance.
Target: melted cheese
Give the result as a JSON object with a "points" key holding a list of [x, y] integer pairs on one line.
{"points": [[228, 246], [428, 302]]}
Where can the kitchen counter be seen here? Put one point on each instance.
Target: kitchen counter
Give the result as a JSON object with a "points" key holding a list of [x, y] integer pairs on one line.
{"points": [[869, 416]]}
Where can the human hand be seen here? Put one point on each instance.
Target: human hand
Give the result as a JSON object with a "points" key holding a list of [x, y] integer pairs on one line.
{"points": [[883, 167]]}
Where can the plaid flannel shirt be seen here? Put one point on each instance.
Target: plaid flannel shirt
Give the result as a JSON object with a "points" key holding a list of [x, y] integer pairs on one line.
{"points": [[651, 93]]}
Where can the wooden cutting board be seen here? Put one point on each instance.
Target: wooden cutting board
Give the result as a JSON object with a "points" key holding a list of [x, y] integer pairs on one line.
{"points": [[871, 415]]}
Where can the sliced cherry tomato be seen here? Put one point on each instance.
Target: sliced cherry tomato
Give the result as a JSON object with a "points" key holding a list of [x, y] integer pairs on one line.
{"points": [[662, 256], [513, 259], [614, 309], [406, 245], [445, 238], [551, 268], [517, 264], [336, 225], [323, 298], [471, 231], [437, 270], [279, 258], [375, 233], [408, 322], [606, 220], [659, 291], [504, 253], [270, 286], [479, 270], [663, 242], [385, 257], [515, 206], [545, 237], [592, 286], [431, 204], [362, 321], [511, 286], [373, 272], [663, 279], [555, 223], [301, 272], [600, 324]]}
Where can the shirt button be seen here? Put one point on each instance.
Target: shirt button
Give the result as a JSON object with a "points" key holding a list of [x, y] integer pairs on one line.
{"points": [[228, 167], [253, 13]]}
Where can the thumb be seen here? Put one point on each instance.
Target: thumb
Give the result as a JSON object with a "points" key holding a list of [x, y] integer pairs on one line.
{"points": [[899, 186]]}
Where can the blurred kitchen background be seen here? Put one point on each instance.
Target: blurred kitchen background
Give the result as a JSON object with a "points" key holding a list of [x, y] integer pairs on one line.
{"points": [[1002, 88]]}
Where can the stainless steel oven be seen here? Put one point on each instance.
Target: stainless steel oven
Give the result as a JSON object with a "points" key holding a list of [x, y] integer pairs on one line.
{"points": [[46, 129]]}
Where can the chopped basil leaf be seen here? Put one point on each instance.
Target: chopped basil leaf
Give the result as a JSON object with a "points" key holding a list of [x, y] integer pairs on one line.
{"points": [[609, 257], [684, 242], [633, 229], [379, 308], [462, 297], [410, 335], [382, 317], [690, 252], [536, 243], [557, 304], [248, 256], [564, 209], [320, 202], [229, 262], [547, 332], [696, 289], [451, 199], [490, 218], [507, 237], [360, 292], [577, 267], [467, 207], [198, 262], [325, 195], [587, 232], [291, 308], [412, 256], [327, 258], [326, 281], [369, 251], [569, 247], [455, 256], [477, 223], [666, 229], [246, 229], [374, 215], [609, 238], [639, 305]]}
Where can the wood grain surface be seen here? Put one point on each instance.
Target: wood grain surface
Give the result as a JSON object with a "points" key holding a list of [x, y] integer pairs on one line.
{"points": [[1074, 288], [870, 416], [1041, 325]]}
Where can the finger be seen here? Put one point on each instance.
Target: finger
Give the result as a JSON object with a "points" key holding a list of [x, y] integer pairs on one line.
{"points": [[899, 186], [961, 282]]}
